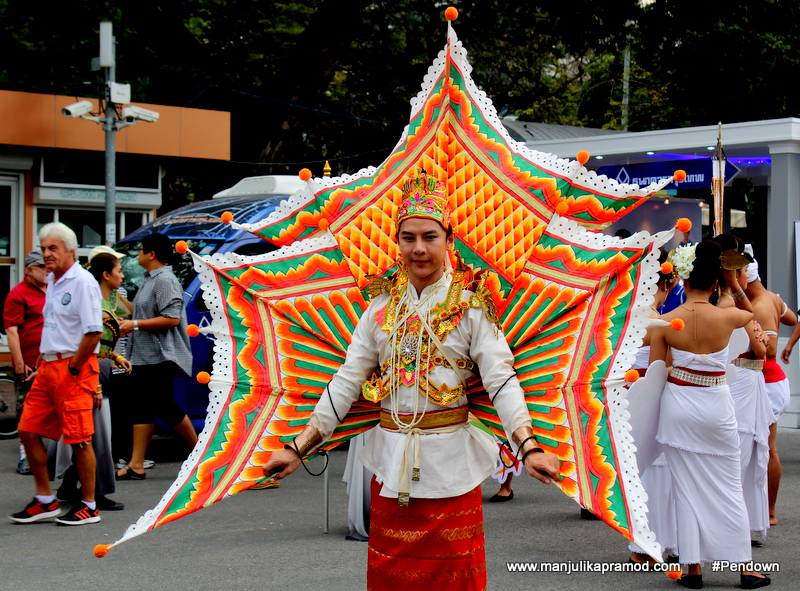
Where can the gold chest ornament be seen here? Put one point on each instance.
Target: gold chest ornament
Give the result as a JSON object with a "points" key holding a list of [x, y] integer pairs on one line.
{"points": [[415, 352]]}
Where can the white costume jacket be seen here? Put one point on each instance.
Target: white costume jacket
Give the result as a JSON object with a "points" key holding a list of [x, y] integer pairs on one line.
{"points": [[451, 463]]}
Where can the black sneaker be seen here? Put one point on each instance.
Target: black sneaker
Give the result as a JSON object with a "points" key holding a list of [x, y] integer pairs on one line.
{"points": [[36, 511], [106, 504], [80, 514]]}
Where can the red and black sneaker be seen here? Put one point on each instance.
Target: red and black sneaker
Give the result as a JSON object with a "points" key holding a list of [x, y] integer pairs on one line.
{"points": [[36, 511], [80, 514]]}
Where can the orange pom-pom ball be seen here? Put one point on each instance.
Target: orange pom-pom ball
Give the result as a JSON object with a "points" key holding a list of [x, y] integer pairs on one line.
{"points": [[667, 268], [323, 224], [679, 176], [181, 246], [582, 157], [101, 550], [683, 225], [226, 217], [674, 575], [305, 174], [562, 208], [193, 330], [203, 377], [677, 324], [451, 13], [631, 376]]}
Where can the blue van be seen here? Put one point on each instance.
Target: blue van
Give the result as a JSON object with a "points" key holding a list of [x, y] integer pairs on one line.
{"points": [[250, 200]]}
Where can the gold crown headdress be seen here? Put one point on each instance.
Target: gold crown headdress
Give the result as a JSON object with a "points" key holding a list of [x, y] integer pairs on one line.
{"points": [[424, 197]]}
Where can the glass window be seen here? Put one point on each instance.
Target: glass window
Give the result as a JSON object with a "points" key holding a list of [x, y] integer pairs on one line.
{"points": [[80, 167], [44, 215], [88, 225], [182, 264], [5, 221], [133, 221]]}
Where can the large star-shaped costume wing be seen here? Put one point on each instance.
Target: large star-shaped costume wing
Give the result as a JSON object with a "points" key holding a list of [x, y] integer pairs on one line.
{"points": [[573, 303]]}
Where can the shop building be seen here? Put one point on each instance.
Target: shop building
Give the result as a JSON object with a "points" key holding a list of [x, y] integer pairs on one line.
{"points": [[764, 195], [53, 169]]}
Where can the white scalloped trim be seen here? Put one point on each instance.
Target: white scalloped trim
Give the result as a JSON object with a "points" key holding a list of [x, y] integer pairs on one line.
{"points": [[616, 393], [286, 208], [222, 376], [580, 175], [582, 178]]}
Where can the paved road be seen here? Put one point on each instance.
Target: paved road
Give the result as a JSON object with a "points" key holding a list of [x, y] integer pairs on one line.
{"points": [[273, 539]]}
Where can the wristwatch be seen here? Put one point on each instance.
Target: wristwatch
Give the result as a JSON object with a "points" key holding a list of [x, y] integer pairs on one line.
{"points": [[73, 370], [135, 325]]}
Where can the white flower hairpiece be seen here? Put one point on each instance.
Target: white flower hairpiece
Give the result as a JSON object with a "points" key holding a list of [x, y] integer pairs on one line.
{"points": [[682, 259]]}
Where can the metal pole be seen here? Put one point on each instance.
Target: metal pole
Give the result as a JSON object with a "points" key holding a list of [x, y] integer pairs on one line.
{"points": [[325, 501], [626, 77], [111, 147]]}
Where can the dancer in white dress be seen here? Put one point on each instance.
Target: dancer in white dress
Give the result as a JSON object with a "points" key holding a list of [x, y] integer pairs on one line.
{"points": [[656, 478], [771, 312], [751, 403], [697, 423]]}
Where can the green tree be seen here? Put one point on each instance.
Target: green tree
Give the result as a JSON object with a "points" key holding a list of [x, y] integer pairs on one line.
{"points": [[312, 80], [724, 62]]}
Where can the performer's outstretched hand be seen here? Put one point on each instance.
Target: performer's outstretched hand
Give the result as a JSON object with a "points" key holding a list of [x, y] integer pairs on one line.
{"points": [[542, 465], [282, 458]]}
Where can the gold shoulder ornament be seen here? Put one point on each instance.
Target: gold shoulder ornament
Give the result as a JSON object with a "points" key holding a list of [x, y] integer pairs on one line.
{"points": [[482, 298], [379, 285]]}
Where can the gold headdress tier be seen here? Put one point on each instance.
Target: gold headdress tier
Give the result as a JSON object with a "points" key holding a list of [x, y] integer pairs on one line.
{"points": [[424, 197]]}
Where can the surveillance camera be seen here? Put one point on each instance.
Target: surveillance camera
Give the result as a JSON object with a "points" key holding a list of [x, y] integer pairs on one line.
{"points": [[77, 109], [133, 114]]}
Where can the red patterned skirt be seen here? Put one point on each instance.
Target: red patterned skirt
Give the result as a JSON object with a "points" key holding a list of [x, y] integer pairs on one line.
{"points": [[430, 544]]}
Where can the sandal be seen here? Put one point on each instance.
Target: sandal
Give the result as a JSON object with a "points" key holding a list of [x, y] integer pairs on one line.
{"points": [[130, 475], [502, 498]]}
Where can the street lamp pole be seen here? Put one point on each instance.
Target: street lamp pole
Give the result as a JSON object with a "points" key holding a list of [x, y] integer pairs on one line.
{"points": [[116, 94], [110, 127]]}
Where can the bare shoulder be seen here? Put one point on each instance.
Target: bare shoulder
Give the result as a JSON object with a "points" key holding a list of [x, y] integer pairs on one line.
{"points": [[736, 316], [765, 310], [779, 303]]}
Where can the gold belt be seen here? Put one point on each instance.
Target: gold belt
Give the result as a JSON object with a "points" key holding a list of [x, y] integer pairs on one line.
{"points": [[431, 420], [754, 364], [441, 421]]}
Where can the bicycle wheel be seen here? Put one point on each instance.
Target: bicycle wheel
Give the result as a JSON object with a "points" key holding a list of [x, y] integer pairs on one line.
{"points": [[8, 409]]}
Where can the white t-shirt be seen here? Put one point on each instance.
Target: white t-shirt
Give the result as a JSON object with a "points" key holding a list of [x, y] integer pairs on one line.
{"points": [[72, 308]]}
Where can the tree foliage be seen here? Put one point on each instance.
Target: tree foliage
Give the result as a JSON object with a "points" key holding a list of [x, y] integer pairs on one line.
{"points": [[312, 80], [728, 62]]}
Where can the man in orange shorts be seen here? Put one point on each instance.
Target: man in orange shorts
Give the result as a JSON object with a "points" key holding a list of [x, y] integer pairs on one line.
{"points": [[64, 392]]}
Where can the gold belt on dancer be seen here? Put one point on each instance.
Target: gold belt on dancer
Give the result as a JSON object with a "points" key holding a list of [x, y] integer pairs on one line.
{"points": [[432, 420], [747, 363], [441, 421], [683, 376]]}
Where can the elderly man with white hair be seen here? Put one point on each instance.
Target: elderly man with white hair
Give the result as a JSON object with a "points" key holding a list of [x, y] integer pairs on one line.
{"points": [[64, 392]]}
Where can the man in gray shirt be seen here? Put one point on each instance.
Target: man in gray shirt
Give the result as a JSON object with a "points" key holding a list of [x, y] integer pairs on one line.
{"points": [[159, 351]]}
